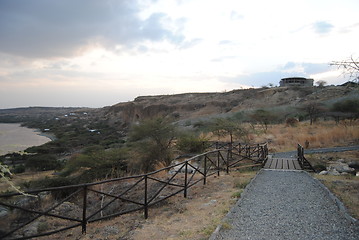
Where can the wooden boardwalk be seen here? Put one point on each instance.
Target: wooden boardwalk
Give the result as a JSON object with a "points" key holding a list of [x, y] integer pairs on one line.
{"points": [[282, 163]]}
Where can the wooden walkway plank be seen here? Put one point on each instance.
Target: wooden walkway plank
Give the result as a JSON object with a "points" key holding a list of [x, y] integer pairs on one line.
{"points": [[268, 163], [285, 163], [296, 164], [291, 164], [274, 164]]}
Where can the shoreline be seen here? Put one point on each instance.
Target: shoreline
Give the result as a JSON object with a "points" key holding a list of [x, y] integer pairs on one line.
{"points": [[16, 146], [49, 135]]}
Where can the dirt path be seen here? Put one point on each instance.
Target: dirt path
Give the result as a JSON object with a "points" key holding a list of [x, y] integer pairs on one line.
{"points": [[287, 205]]}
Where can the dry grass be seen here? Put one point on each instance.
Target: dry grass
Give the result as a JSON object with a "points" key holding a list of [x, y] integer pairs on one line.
{"points": [[320, 134], [346, 188], [179, 218], [20, 178]]}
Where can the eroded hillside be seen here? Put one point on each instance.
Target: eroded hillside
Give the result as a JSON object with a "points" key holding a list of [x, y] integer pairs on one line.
{"points": [[199, 105]]}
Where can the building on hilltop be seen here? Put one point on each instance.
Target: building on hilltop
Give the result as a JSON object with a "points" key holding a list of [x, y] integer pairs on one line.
{"points": [[296, 81]]}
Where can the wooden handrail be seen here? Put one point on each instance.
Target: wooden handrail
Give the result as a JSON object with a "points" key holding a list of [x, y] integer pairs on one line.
{"points": [[209, 163], [304, 163]]}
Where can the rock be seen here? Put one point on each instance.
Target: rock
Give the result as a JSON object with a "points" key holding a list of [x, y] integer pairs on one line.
{"points": [[340, 167], [4, 211], [210, 203], [354, 165], [323, 173], [110, 230], [357, 174], [31, 229], [68, 209], [333, 171]]}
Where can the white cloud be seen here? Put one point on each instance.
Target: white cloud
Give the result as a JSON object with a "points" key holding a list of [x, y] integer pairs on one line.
{"points": [[116, 50], [322, 27]]}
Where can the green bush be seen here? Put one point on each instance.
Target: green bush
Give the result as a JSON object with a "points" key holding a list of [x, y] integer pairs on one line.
{"points": [[347, 106], [55, 182], [19, 168], [42, 162], [97, 164], [191, 143], [152, 141]]}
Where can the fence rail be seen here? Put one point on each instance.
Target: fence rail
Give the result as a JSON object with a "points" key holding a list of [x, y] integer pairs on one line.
{"points": [[64, 208], [304, 163]]}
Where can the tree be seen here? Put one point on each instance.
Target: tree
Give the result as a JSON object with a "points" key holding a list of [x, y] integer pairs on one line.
{"points": [[223, 127], [321, 83], [263, 117], [313, 109], [349, 67], [153, 139], [348, 108], [192, 143]]}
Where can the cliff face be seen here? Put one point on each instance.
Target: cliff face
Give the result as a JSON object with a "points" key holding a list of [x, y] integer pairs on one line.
{"points": [[196, 105]]}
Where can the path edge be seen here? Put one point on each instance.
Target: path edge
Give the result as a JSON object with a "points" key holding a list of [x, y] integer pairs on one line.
{"points": [[342, 209], [216, 232]]}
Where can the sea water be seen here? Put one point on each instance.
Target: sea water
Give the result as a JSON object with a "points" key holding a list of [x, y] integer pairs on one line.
{"points": [[14, 138]]}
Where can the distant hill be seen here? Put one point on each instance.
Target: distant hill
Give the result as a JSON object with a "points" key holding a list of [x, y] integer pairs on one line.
{"points": [[194, 106], [34, 113]]}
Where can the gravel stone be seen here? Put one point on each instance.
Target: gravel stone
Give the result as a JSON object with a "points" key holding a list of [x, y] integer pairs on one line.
{"points": [[281, 204]]}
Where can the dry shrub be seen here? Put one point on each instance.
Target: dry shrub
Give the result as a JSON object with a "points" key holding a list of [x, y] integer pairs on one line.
{"points": [[292, 122]]}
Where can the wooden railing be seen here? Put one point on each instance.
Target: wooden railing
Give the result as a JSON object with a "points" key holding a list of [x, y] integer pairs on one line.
{"points": [[304, 163], [92, 202]]}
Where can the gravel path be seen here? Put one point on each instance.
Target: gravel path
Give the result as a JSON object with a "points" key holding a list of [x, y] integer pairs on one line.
{"points": [[287, 205], [293, 154]]}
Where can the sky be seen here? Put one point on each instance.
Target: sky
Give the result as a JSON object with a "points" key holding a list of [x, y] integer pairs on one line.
{"points": [[95, 53]]}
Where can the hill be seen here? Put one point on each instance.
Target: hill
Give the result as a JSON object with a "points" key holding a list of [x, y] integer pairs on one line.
{"points": [[195, 106], [191, 106]]}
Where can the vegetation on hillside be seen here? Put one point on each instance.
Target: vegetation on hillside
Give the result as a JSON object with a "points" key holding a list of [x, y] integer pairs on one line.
{"points": [[88, 147]]}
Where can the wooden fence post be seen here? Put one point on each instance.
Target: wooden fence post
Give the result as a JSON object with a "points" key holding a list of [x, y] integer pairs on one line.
{"points": [[218, 169], [145, 201], [227, 162], [84, 209], [185, 180], [205, 170]]}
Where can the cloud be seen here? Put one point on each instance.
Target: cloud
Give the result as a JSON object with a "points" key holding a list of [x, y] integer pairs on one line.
{"points": [[225, 42], [236, 16], [191, 43], [304, 68], [41, 28], [290, 69], [223, 58], [322, 27]]}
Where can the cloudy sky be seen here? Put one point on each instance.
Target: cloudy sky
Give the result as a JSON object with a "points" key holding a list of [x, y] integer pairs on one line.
{"points": [[97, 53]]}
